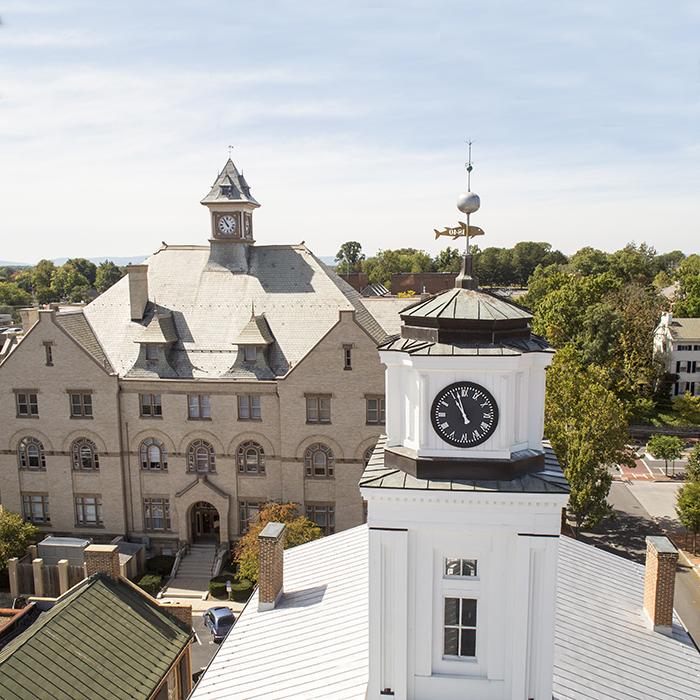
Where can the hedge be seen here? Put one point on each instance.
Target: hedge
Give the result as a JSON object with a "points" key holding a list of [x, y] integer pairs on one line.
{"points": [[240, 588], [150, 583], [161, 565]]}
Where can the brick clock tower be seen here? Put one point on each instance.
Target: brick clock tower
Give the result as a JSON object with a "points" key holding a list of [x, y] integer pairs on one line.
{"points": [[231, 207], [464, 504]]}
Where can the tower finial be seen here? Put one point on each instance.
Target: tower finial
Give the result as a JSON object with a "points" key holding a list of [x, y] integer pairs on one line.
{"points": [[468, 165], [230, 148]]}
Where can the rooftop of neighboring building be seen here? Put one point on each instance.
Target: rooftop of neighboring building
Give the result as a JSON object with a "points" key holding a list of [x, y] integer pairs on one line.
{"points": [[603, 648], [103, 640], [681, 328]]}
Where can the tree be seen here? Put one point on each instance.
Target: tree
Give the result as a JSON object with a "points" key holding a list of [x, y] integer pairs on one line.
{"points": [[448, 260], [688, 407], [385, 263], [15, 535], [634, 262], [298, 530], [692, 469], [43, 272], [107, 274], [587, 426], [589, 261], [84, 267], [349, 257], [688, 509], [665, 447], [69, 285], [12, 295]]}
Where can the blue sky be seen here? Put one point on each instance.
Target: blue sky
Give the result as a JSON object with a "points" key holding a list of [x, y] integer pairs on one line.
{"points": [[349, 120]]}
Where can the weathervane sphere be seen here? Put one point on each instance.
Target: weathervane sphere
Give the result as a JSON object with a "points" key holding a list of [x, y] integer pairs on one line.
{"points": [[468, 202]]}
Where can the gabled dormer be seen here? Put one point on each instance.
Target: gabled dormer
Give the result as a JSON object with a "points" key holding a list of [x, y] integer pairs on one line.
{"points": [[156, 342], [253, 349]]}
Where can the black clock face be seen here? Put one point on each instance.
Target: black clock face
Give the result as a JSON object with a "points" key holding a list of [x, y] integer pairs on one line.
{"points": [[464, 414]]}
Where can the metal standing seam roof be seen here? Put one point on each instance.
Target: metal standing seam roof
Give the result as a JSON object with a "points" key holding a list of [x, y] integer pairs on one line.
{"points": [[510, 347], [103, 641], [298, 295], [603, 649], [549, 480], [475, 304]]}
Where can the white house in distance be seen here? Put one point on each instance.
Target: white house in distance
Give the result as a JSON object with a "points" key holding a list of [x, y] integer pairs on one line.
{"points": [[459, 585], [677, 340]]}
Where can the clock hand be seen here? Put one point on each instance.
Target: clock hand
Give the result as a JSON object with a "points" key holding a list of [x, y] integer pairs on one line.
{"points": [[461, 410]]}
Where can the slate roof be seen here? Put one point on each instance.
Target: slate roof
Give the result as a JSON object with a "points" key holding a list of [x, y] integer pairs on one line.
{"points": [[78, 327], [508, 347], [255, 332], [160, 329], [299, 296], [103, 641], [603, 649], [239, 190], [685, 328], [461, 303], [387, 310], [549, 480]]}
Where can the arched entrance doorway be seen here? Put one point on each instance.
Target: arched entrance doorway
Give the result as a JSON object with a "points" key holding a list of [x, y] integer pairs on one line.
{"points": [[204, 522]]}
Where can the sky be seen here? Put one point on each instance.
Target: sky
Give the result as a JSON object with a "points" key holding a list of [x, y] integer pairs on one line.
{"points": [[349, 120]]}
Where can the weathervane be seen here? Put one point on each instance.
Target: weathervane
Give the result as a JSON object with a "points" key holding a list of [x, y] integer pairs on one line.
{"points": [[230, 148], [467, 203]]}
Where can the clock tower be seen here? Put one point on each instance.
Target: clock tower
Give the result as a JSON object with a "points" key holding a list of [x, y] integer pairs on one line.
{"points": [[231, 206], [464, 502]]}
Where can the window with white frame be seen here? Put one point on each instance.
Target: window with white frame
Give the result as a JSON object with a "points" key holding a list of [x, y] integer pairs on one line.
{"points": [[459, 637], [460, 568], [319, 461], [27, 403], [88, 511], [251, 458], [80, 404], [30, 453], [84, 455], [156, 513], [200, 457], [154, 456], [249, 407], [35, 508], [150, 406], [198, 407], [318, 408]]}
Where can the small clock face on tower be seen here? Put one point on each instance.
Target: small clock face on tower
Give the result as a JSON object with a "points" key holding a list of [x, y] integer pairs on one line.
{"points": [[464, 414], [227, 225], [247, 225]]}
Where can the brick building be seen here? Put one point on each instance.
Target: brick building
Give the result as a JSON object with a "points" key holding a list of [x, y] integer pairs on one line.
{"points": [[209, 380]]}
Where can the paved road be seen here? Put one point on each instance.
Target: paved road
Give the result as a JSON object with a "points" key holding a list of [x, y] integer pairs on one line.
{"points": [[625, 534]]}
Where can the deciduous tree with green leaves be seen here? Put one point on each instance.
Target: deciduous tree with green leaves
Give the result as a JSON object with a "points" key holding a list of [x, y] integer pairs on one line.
{"points": [[688, 509], [107, 274], [587, 426], [666, 447], [15, 534], [12, 295], [299, 529], [349, 258], [692, 469]]}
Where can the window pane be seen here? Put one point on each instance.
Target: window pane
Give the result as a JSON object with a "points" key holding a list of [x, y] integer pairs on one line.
{"points": [[468, 567], [250, 353], [255, 407], [243, 408], [311, 410], [468, 647], [468, 612], [451, 611], [206, 411], [157, 409], [451, 641], [87, 404], [452, 567], [325, 410]]}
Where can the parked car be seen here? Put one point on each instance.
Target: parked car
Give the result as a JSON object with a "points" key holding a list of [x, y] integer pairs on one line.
{"points": [[219, 621]]}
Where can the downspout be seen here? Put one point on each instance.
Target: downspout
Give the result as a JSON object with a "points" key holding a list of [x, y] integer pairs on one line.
{"points": [[126, 480]]}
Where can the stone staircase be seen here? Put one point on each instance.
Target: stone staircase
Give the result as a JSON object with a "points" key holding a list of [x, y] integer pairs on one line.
{"points": [[193, 574]]}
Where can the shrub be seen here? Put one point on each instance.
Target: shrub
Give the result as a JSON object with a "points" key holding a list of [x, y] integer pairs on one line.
{"points": [[217, 585], [161, 565], [241, 588], [150, 583]]}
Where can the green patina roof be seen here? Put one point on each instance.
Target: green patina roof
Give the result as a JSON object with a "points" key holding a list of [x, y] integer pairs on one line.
{"points": [[103, 640]]}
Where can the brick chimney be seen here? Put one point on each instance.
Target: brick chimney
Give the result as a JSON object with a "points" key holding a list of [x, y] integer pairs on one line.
{"points": [[270, 565], [138, 290], [102, 558], [659, 583], [181, 611]]}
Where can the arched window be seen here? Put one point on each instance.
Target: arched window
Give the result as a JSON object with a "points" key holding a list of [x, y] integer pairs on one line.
{"points": [[153, 455], [318, 461], [31, 454], [200, 457], [84, 453], [251, 458]]}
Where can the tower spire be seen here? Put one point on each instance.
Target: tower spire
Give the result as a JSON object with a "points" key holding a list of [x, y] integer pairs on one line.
{"points": [[468, 203]]}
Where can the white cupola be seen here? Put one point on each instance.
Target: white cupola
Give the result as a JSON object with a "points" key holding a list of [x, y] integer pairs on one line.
{"points": [[464, 504]]}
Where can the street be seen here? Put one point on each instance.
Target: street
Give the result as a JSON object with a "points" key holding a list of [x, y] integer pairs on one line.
{"points": [[625, 533]]}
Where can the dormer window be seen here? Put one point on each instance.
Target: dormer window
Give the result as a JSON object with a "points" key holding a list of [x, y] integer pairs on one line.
{"points": [[226, 190], [250, 353], [151, 352]]}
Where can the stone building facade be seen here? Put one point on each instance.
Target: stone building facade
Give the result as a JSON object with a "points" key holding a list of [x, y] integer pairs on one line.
{"points": [[209, 380]]}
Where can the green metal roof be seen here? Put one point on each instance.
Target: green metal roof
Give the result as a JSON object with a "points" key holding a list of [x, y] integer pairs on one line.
{"points": [[103, 641]]}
